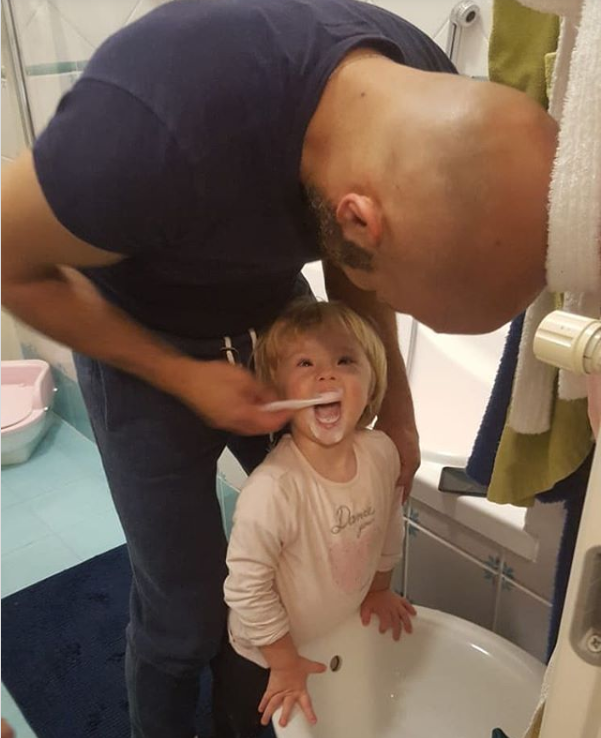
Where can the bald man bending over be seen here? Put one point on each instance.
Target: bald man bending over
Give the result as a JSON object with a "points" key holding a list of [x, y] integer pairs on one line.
{"points": [[206, 154]]}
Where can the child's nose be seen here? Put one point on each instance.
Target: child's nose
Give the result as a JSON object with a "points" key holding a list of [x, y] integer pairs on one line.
{"points": [[327, 372]]}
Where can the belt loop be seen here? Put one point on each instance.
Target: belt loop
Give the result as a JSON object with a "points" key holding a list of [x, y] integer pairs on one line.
{"points": [[229, 349]]}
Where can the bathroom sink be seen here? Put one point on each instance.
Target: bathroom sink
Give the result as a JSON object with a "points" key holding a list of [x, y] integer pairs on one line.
{"points": [[448, 679]]}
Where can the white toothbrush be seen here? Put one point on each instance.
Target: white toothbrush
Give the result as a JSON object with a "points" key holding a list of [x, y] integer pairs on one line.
{"points": [[325, 399]]}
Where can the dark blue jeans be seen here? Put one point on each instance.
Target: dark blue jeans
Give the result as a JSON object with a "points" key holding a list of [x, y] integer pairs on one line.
{"points": [[160, 461]]}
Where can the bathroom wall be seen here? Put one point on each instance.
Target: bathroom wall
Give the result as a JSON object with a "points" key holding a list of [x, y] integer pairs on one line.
{"points": [[432, 16], [11, 348]]}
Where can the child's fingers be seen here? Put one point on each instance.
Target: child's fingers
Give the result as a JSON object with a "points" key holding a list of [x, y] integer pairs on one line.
{"points": [[396, 628], [305, 703], [408, 606], [264, 701], [365, 615], [273, 704], [404, 615], [287, 706], [385, 621]]}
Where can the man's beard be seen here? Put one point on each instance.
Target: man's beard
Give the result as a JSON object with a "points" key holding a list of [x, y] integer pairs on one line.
{"points": [[332, 243]]}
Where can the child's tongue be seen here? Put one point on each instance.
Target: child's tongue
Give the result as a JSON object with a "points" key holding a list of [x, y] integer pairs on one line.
{"points": [[328, 413]]}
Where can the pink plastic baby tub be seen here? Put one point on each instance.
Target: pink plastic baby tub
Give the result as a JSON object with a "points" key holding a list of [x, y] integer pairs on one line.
{"points": [[27, 394]]}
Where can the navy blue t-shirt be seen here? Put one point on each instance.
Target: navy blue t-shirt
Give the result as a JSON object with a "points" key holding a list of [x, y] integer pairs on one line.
{"points": [[180, 147]]}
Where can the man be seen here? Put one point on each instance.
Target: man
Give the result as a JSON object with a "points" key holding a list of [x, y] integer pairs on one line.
{"points": [[206, 154]]}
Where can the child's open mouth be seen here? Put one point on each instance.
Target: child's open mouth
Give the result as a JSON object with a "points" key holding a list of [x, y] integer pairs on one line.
{"points": [[328, 414]]}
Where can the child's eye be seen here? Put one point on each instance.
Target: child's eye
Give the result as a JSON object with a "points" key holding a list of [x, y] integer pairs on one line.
{"points": [[304, 362], [346, 360]]}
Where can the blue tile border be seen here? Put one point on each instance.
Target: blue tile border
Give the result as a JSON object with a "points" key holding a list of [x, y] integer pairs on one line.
{"points": [[51, 68]]}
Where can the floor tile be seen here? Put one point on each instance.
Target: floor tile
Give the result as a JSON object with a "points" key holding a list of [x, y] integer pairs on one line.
{"points": [[12, 714], [37, 561], [8, 496], [20, 527], [45, 470], [73, 503], [94, 536]]}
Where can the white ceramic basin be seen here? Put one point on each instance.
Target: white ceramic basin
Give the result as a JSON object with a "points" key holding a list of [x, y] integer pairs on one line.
{"points": [[449, 679]]}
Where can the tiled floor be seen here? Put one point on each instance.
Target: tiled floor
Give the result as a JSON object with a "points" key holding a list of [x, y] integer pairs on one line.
{"points": [[56, 513]]}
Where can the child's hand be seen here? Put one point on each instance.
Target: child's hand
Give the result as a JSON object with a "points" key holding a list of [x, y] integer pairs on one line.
{"points": [[392, 610], [288, 686]]}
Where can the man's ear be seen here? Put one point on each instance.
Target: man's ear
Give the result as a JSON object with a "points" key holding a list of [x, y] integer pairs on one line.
{"points": [[360, 220]]}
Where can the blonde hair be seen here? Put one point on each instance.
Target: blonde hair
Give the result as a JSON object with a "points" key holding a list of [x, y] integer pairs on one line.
{"points": [[304, 315]]}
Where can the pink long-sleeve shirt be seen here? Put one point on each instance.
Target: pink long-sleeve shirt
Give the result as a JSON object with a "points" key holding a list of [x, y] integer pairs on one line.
{"points": [[304, 550]]}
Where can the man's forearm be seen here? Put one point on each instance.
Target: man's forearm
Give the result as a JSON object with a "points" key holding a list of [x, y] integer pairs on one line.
{"points": [[66, 306]]}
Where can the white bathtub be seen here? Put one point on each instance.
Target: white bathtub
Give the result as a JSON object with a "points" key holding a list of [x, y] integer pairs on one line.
{"points": [[448, 679], [451, 378]]}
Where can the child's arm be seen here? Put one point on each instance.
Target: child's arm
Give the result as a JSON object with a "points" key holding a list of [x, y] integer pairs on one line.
{"points": [[262, 523], [393, 611]]}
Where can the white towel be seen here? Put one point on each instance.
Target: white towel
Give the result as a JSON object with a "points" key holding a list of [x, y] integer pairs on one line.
{"points": [[533, 729], [574, 252]]}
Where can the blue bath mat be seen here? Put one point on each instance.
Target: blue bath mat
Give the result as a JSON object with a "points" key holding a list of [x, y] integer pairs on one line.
{"points": [[63, 646]]}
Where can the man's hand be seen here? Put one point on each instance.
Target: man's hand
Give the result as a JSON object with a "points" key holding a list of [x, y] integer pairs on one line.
{"points": [[286, 687], [406, 439], [225, 396], [393, 611]]}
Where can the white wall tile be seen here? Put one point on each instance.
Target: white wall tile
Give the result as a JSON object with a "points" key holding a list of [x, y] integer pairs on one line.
{"points": [[48, 350], [45, 92], [456, 534], [429, 15], [143, 7], [96, 21], [472, 59], [545, 523], [11, 348], [24, 10], [524, 620], [50, 38], [12, 131], [444, 579]]}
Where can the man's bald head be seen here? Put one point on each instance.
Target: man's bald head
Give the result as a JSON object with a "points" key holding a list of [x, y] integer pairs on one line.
{"points": [[448, 204]]}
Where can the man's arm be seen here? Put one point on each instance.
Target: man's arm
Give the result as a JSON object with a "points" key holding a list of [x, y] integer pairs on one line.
{"points": [[41, 288], [396, 417]]}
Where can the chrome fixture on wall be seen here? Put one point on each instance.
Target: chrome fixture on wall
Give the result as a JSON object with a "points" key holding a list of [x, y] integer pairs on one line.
{"points": [[463, 15]]}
